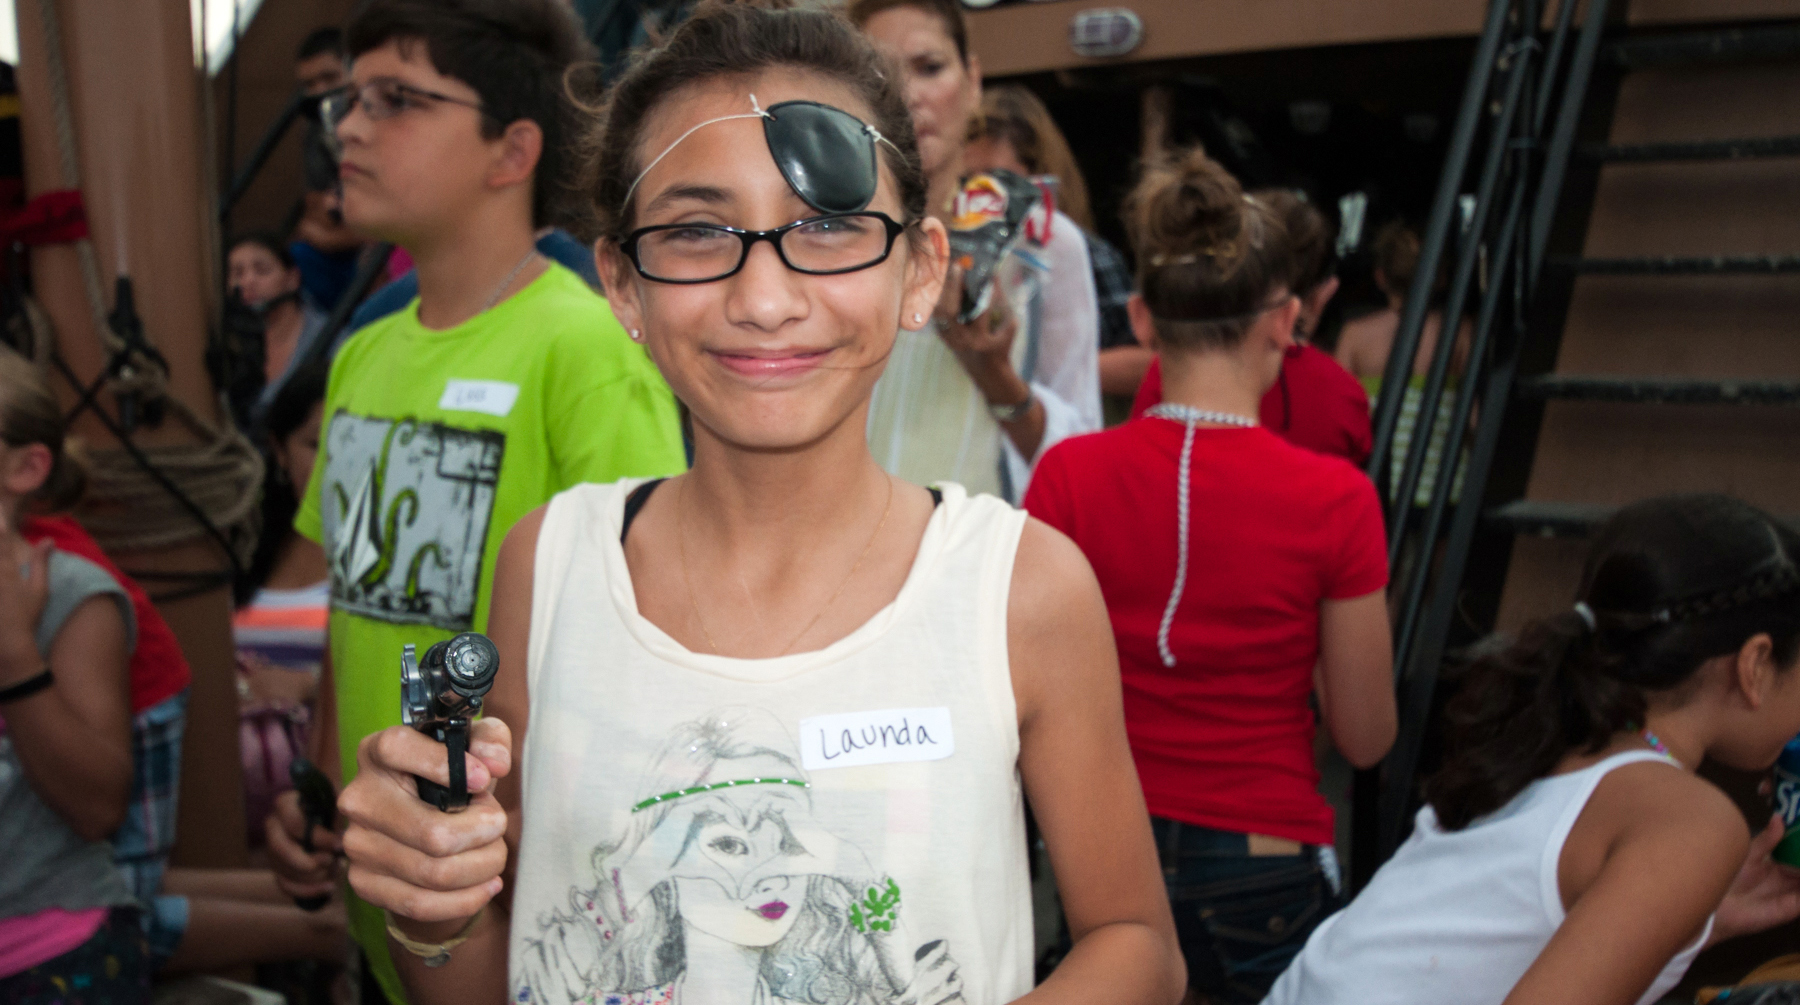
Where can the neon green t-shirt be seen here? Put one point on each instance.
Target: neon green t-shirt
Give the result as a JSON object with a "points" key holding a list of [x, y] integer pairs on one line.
{"points": [[435, 443]]}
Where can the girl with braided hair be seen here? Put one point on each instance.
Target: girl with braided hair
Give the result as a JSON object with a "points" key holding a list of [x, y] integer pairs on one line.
{"points": [[1567, 842]]}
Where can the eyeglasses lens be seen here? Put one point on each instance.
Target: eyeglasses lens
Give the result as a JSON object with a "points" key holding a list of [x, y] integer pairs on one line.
{"points": [[380, 99], [702, 253]]}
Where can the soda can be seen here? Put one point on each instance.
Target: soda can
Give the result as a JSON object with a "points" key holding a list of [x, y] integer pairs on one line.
{"points": [[1787, 803]]}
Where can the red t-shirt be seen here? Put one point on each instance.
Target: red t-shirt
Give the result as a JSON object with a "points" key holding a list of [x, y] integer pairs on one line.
{"points": [[1223, 739], [158, 669], [1315, 404]]}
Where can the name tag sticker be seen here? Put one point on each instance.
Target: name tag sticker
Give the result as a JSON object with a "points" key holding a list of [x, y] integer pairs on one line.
{"points": [[889, 736], [495, 397]]}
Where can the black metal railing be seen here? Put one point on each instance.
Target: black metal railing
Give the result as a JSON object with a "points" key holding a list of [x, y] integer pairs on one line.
{"points": [[265, 148], [1510, 150]]}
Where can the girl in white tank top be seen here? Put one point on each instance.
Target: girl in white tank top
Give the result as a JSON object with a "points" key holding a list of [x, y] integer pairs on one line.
{"points": [[852, 815], [774, 718], [1567, 852]]}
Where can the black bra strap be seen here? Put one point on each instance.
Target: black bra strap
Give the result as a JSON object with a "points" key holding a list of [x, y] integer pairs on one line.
{"points": [[634, 503]]}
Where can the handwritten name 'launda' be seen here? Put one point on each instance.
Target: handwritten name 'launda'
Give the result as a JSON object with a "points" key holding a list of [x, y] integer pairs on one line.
{"points": [[879, 736], [867, 737]]}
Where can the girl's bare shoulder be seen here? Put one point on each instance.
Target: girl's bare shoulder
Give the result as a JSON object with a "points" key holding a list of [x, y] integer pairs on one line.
{"points": [[1654, 800]]}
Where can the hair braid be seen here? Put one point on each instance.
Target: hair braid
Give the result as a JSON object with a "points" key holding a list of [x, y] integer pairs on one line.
{"points": [[1766, 586]]}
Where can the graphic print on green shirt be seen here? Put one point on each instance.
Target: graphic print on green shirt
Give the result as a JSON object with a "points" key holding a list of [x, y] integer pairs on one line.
{"points": [[435, 444], [407, 541]]}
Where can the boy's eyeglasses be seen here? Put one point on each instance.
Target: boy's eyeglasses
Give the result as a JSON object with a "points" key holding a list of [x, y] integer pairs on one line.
{"points": [[381, 98], [706, 252]]}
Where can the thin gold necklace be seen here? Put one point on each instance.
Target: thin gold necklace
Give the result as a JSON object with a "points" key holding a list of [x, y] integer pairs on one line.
{"points": [[694, 601]]}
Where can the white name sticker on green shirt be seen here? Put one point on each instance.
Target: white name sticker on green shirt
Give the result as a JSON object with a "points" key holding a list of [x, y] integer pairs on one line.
{"points": [[495, 397]]}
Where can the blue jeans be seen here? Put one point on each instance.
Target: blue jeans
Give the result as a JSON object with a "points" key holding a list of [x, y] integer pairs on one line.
{"points": [[142, 843], [1241, 919]]}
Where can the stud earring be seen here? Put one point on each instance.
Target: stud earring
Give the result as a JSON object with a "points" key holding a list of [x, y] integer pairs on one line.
{"points": [[918, 319], [637, 336]]}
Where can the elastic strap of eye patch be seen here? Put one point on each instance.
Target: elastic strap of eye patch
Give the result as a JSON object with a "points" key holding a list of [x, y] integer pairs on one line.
{"points": [[876, 135], [757, 114]]}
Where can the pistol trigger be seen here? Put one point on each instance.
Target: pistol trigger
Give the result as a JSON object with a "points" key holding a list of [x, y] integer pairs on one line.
{"points": [[457, 744]]}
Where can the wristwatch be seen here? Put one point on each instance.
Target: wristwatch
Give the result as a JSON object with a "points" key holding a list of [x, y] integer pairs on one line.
{"points": [[1013, 413]]}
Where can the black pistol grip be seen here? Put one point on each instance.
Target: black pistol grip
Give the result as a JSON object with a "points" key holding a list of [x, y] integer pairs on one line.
{"points": [[318, 802], [453, 798]]}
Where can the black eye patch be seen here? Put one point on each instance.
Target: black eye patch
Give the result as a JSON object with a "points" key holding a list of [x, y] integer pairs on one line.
{"points": [[826, 154]]}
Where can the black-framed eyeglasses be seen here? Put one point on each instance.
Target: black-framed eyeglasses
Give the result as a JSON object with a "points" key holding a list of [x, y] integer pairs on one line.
{"points": [[381, 98], [828, 245]]}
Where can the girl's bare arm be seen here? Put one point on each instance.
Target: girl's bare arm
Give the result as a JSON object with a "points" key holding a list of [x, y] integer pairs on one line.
{"points": [[1083, 787], [74, 738]]}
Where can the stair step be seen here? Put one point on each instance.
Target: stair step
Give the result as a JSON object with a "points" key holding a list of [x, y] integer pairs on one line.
{"points": [[1694, 150], [1717, 46], [1674, 265], [1548, 518], [1662, 390], [1554, 518]]}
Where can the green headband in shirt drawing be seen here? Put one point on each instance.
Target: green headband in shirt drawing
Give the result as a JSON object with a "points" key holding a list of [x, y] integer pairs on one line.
{"points": [[695, 790]]}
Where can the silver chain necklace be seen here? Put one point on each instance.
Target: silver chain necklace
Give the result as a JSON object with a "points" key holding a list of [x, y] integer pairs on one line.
{"points": [[1188, 413], [494, 298]]}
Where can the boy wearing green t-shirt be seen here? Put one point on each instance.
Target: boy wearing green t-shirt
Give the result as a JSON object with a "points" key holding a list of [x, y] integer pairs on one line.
{"points": [[506, 381]]}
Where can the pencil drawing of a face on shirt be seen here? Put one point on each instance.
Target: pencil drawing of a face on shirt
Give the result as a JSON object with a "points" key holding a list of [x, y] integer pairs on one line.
{"points": [[727, 887]]}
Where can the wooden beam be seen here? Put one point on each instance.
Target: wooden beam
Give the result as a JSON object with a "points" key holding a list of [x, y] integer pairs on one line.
{"points": [[1034, 37]]}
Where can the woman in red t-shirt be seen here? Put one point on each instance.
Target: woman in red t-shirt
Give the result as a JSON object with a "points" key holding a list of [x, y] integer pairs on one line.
{"points": [[1245, 570]]}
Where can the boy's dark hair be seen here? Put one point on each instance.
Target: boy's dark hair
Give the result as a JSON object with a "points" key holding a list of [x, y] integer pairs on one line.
{"points": [[947, 11], [735, 40], [515, 54], [319, 42], [1670, 583]]}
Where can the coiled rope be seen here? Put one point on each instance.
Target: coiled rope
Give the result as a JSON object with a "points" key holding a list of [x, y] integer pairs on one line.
{"points": [[150, 497]]}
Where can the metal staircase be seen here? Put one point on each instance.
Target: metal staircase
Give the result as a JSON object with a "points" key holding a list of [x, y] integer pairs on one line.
{"points": [[1530, 145]]}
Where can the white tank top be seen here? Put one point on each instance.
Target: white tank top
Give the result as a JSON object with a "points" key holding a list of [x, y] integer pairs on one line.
{"points": [[840, 826], [1459, 916]]}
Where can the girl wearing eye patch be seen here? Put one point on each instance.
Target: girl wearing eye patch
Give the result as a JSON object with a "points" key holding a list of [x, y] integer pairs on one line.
{"points": [[913, 661]]}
